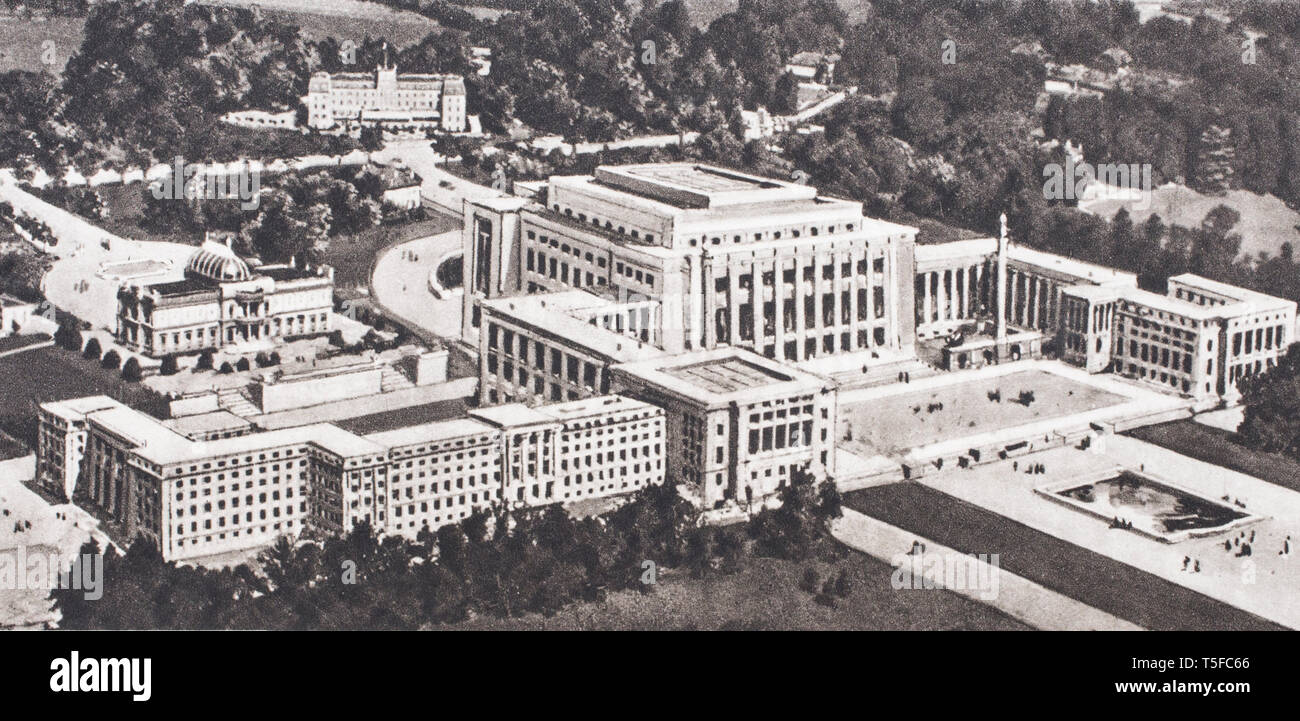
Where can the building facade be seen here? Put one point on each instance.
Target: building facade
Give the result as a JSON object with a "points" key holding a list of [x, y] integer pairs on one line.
{"points": [[386, 97], [1199, 339], [222, 303], [730, 258], [739, 426], [196, 498]]}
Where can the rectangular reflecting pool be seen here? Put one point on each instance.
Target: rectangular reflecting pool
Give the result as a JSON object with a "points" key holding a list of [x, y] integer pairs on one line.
{"points": [[1149, 507]]}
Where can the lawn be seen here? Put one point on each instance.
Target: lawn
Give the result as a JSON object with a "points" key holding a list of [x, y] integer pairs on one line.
{"points": [[353, 256], [1216, 446], [51, 374], [1094, 579], [765, 595], [14, 342], [24, 43], [896, 424], [343, 19], [1266, 221]]}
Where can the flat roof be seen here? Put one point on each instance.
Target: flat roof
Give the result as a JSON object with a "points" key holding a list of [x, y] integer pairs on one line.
{"points": [[1175, 306], [722, 375], [1262, 300], [207, 422], [725, 375], [429, 432], [1083, 270], [597, 405], [695, 185], [511, 414], [554, 314]]}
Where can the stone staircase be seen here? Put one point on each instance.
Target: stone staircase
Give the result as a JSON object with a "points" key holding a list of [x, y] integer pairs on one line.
{"points": [[393, 379], [236, 401]]}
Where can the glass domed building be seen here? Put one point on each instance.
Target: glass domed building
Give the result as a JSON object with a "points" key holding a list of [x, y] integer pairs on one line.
{"points": [[224, 302]]}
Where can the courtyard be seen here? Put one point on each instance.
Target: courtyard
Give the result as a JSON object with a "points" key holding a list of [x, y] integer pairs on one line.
{"points": [[893, 424], [1203, 581]]}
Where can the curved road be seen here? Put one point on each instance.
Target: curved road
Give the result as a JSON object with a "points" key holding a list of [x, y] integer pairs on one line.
{"points": [[401, 284], [79, 255]]}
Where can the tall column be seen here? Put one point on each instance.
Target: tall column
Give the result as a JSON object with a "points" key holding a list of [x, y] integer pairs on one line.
{"points": [[941, 295], [1011, 297], [1001, 289], [800, 323], [926, 301], [778, 305], [733, 302]]}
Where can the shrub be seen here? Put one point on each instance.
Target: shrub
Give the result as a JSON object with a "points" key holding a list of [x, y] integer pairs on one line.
{"points": [[242, 364], [226, 368], [205, 360], [111, 360], [131, 371], [92, 349], [170, 366]]}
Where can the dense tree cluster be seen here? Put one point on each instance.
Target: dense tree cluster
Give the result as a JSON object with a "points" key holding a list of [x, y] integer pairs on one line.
{"points": [[531, 561]]}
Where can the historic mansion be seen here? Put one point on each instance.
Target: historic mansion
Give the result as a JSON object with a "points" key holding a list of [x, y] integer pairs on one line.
{"points": [[222, 302]]}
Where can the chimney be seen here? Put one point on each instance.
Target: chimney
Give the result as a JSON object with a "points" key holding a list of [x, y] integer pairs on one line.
{"points": [[1002, 280]]}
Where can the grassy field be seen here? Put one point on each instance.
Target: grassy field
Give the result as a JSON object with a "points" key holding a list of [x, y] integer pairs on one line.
{"points": [[352, 256], [766, 595], [706, 11], [1214, 445], [1266, 221], [51, 374], [29, 44], [899, 423], [350, 19], [1094, 579]]}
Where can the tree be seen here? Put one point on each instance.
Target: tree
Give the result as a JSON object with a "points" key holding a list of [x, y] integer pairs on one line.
{"points": [[226, 368], [68, 335], [372, 138], [169, 366], [242, 364], [111, 360], [131, 371], [205, 360], [1271, 400], [92, 350]]}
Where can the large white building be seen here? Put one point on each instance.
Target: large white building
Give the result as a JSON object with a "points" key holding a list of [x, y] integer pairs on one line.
{"points": [[739, 426], [726, 258], [386, 97], [1199, 339], [196, 493], [223, 302]]}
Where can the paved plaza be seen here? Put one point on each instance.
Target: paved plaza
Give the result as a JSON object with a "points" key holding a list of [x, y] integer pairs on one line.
{"points": [[1263, 583]]}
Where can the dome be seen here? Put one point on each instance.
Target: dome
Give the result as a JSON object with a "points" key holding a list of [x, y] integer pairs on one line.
{"points": [[216, 261]]}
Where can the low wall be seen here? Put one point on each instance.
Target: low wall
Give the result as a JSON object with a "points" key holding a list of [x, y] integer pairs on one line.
{"points": [[285, 394]]}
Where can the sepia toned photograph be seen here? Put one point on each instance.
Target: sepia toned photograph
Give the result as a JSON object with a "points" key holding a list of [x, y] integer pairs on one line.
{"points": [[649, 315]]}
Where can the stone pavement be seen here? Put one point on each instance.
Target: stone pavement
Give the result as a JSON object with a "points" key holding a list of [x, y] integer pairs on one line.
{"points": [[1017, 597], [1264, 583]]}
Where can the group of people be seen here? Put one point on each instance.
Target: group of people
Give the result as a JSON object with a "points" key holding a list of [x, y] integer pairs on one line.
{"points": [[903, 376], [1036, 469], [1121, 523], [408, 255], [1196, 564]]}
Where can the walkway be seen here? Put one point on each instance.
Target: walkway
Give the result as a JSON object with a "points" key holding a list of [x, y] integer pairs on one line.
{"points": [[1017, 597]]}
